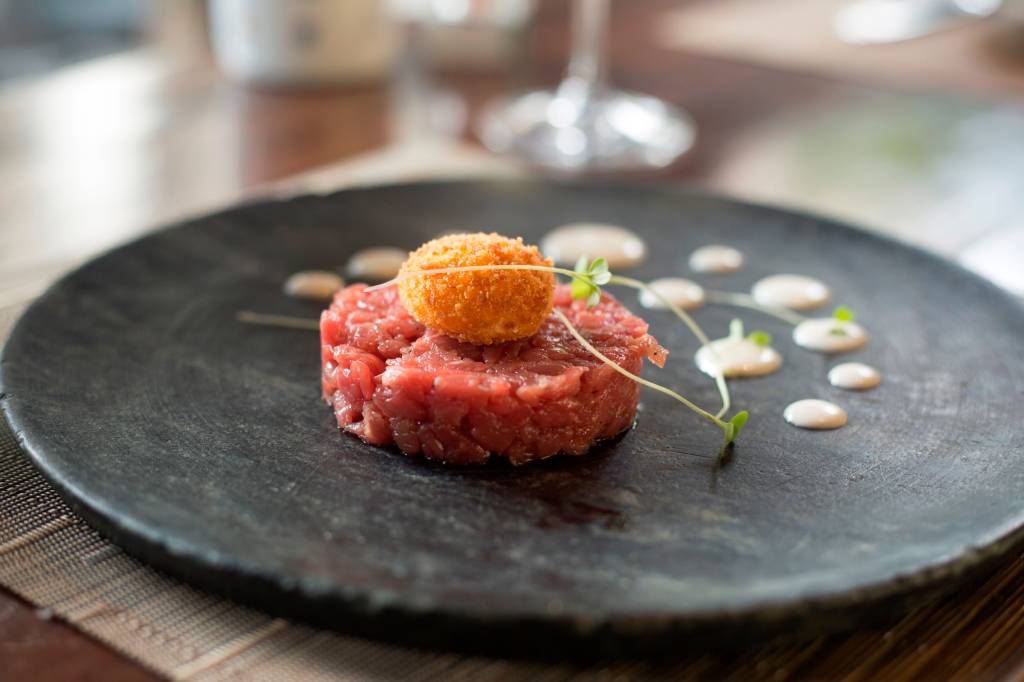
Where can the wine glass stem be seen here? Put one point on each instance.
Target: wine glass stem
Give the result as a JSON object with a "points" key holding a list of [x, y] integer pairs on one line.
{"points": [[589, 29]]}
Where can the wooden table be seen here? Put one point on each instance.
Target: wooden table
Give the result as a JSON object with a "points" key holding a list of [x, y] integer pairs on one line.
{"points": [[97, 153]]}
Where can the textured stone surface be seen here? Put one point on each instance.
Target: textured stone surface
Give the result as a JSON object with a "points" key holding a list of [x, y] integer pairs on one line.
{"points": [[201, 444]]}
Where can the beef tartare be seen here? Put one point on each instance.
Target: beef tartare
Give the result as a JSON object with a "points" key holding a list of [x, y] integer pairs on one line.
{"points": [[390, 380]]}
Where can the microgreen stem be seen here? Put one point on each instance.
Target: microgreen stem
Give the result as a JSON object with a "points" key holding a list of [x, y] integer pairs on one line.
{"points": [[747, 301], [638, 379], [286, 321], [723, 388], [474, 268]]}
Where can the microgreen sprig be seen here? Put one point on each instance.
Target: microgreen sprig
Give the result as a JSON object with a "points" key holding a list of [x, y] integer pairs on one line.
{"points": [[587, 285], [684, 317], [736, 333], [844, 314], [730, 429], [841, 315], [588, 280]]}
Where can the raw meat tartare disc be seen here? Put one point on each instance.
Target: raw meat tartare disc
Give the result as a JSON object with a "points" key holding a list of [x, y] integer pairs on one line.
{"points": [[392, 381]]}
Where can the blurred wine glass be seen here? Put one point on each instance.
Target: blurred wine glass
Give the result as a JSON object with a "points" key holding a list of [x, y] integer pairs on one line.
{"points": [[586, 124]]}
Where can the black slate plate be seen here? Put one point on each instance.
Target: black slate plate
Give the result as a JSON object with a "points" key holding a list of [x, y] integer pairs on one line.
{"points": [[201, 444]]}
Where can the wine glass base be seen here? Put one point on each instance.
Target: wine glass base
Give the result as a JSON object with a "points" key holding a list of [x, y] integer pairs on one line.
{"points": [[613, 130]]}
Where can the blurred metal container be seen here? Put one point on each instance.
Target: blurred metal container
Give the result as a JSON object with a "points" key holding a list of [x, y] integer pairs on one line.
{"points": [[303, 42]]}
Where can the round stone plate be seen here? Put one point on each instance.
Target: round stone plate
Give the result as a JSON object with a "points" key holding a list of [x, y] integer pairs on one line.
{"points": [[202, 445]]}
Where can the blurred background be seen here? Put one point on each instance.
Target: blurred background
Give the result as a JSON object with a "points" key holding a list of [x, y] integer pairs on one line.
{"points": [[118, 115]]}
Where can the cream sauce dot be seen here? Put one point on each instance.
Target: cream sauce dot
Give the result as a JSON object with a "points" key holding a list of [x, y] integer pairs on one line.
{"points": [[815, 414], [854, 376], [621, 247], [829, 335], [791, 291], [317, 285], [376, 264], [682, 292], [738, 357], [716, 258]]}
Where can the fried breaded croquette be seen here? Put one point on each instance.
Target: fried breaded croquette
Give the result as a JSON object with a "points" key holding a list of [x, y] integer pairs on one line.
{"points": [[483, 307]]}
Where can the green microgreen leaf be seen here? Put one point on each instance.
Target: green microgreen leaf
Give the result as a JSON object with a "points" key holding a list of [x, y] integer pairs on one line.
{"points": [[589, 278], [731, 429], [737, 422], [837, 331], [761, 338], [843, 314], [581, 288]]}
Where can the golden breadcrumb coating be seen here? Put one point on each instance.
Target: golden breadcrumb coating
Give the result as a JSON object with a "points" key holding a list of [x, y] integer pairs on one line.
{"points": [[483, 307]]}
